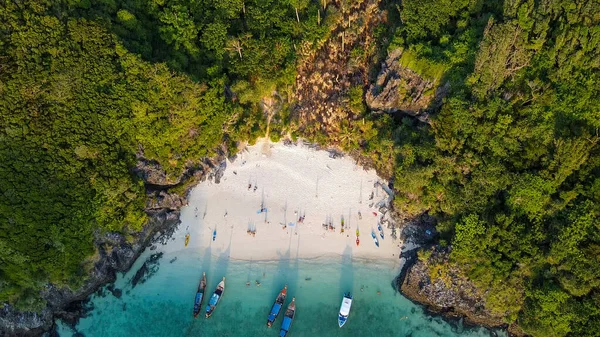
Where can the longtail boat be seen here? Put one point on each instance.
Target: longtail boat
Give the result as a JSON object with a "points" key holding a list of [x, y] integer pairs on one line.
{"points": [[215, 298], [199, 295], [345, 309], [279, 301], [187, 239], [288, 318], [374, 238]]}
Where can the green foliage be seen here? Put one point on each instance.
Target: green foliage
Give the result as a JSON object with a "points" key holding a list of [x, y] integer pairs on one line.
{"points": [[510, 163], [85, 87], [355, 100]]}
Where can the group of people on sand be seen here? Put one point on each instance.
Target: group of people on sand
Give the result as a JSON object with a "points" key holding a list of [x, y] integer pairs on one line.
{"points": [[251, 232]]}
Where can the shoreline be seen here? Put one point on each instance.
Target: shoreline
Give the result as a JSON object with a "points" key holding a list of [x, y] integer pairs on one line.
{"points": [[289, 201], [206, 170]]}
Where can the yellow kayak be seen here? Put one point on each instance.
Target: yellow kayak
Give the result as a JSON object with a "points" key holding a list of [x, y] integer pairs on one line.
{"points": [[187, 239]]}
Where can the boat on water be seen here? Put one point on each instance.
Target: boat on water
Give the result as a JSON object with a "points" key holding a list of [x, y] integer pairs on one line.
{"points": [[374, 236], [380, 230], [288, 318], [345, 309], [199, 295], [187, 239], [276, 308], [215, 298]]}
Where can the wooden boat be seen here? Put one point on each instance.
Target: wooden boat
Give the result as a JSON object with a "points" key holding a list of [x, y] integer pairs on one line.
{"points": [[187, 239], [380, 230], [288, 318], [199, 295], [345, 309], [374, 236], [215, 298], [276, 308]]}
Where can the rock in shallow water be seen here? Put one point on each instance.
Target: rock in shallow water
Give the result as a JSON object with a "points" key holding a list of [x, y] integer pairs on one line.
{"points": [[149, 268]]}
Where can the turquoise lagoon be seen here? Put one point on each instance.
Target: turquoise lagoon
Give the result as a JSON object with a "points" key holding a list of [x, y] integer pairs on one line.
{"points": [[162, 305]]}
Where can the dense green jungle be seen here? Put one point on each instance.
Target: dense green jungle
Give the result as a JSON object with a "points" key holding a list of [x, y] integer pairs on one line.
{"points": [[508, 164]]}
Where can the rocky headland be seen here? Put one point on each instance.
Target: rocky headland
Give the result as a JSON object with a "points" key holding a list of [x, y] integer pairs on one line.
{"points": [[116, 252]]}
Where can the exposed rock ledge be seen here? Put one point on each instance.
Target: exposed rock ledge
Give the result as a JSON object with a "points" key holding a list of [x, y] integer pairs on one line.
{"points": [[115, 252], [451, 296], [400, 89]]}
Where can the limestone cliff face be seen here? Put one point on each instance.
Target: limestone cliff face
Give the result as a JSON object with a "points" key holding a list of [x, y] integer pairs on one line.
{"points": [[449, 293], [116, 252], [399, 89]]}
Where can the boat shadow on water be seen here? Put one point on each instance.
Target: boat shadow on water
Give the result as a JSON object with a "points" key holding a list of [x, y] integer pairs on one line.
{"points": [[221, 266], [347, 271]]}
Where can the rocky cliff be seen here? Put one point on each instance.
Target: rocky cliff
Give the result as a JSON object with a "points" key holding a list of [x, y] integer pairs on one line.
{"points": [[449, 293], [400, 89]]}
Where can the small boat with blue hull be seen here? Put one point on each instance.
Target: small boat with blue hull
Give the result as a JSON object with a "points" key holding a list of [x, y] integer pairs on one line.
{"points": [[288, 318], [199, 295], [380, 230], [279, 301], [215, 298], [345, 309], [374, 236]]}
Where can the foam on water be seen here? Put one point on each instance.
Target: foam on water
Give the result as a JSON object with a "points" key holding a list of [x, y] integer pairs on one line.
{"points": [[162, 306]]}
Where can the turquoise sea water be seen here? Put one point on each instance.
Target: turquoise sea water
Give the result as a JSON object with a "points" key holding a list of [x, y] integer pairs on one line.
{"points": [[162, 306]]}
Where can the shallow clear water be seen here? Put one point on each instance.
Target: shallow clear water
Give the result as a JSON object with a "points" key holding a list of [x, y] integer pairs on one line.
{"points": [[162, 306]]}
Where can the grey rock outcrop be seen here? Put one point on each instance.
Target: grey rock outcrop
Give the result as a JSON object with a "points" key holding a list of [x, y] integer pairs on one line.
{"points": [[16, 323], [399, 89], [451, 294]]}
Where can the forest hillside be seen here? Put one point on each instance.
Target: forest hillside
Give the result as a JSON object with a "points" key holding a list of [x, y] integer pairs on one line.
{"points": [[484, 114]]}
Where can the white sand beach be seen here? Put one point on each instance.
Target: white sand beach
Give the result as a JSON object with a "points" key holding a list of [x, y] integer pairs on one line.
{"points": [[290, 182]]}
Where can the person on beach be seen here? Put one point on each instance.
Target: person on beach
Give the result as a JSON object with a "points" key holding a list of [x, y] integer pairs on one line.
{"points": [[255, 188], [249, 187]]}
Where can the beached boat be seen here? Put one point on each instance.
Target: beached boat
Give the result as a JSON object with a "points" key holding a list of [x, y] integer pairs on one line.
{"points": [[187, 239], [380, 230], [214, 234], [288, 318], [345, 309], [374, 236], [199, 295], [279, 301], [215, 298]]}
